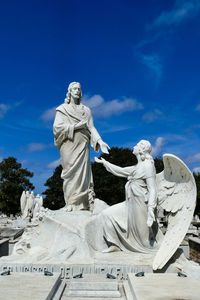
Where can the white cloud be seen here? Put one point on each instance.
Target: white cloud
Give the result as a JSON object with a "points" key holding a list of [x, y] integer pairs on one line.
{"points": [[105, 109], [100, 107], [54, 164], [33, 147], [182, 10], [153, 63], [194, 158], [93, 101], [49, 114], [3, 110], [158, 147], [196, 170], [116, 129], [152, 116]]}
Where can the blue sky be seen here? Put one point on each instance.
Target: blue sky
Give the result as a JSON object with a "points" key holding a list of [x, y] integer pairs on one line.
{"points": [[137, 61]]}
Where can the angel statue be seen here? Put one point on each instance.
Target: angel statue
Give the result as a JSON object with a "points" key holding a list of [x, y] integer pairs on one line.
{"points": [[131, 225]]}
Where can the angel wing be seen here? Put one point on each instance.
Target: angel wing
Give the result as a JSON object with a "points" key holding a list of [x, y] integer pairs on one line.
{"points": [[177, 195]]}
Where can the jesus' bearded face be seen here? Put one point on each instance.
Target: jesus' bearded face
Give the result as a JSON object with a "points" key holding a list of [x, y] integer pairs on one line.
{"points": [[75, 91]]}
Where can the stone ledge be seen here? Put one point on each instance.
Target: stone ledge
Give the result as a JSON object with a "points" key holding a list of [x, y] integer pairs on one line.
{"points": [[195, 240], [69, 270], [163, 286]]}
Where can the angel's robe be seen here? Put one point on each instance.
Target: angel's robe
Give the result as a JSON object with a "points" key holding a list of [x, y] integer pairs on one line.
{"points": [[125, 224], [74, 151]]}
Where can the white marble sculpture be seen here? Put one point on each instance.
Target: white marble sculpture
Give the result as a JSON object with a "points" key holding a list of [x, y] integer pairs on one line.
{"points": [[131, 225], [38, 204], [30, 205], [74, 131], [128, 225], [24, 203], [87, 237], [127, 232]]}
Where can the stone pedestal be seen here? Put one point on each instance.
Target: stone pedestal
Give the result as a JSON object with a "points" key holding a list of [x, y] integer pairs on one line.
{"points": [[11, 233], [93, 286]]}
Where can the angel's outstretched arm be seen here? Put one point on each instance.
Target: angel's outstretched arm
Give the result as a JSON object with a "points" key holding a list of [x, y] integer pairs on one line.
{"points": [[115, 170]]}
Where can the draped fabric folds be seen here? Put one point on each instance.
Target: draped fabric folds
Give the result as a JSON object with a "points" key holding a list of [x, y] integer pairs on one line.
{"points": [[125, 224], [74, 152]]}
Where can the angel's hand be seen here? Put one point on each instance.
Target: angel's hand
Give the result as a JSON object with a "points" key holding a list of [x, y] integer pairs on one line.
{"points": [[100, 161], [151, 217]]}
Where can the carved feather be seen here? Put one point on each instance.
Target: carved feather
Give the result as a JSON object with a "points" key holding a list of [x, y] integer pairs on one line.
{"points": [[177, 195]]}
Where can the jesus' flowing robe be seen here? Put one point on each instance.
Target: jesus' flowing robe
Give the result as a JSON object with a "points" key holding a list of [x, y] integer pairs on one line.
{"points": [[74, 151]]}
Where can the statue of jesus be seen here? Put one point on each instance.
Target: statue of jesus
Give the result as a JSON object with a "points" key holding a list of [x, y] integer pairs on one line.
{"points": [[74, 131]]}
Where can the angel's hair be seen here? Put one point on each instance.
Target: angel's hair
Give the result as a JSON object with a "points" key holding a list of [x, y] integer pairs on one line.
{"points": [[145, 150], [68, 95]]}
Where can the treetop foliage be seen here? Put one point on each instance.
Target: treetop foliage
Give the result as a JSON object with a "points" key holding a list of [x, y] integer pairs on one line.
{"points": [[13, 181], [54, 193]]}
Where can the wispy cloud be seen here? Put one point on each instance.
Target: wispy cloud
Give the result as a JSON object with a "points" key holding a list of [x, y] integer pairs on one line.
{"points": [[196, 170], [54, 164], [116, 129], [152, 62], [152, 116], [3, 110], [33, 147], [158, 147], [105, 109], [48, 115], [195, 158], [100, 108], [181, 11]]}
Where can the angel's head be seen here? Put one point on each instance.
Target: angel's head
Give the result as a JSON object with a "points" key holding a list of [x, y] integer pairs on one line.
{"points": [[143, 149]]}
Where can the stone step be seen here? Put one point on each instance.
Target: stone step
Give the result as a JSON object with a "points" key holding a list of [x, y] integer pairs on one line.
{"points": [[92, 285]]}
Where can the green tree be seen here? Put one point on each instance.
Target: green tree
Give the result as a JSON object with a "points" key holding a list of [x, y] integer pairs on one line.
{"points": [[54, 193], [13, 181], [159, 164]]}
